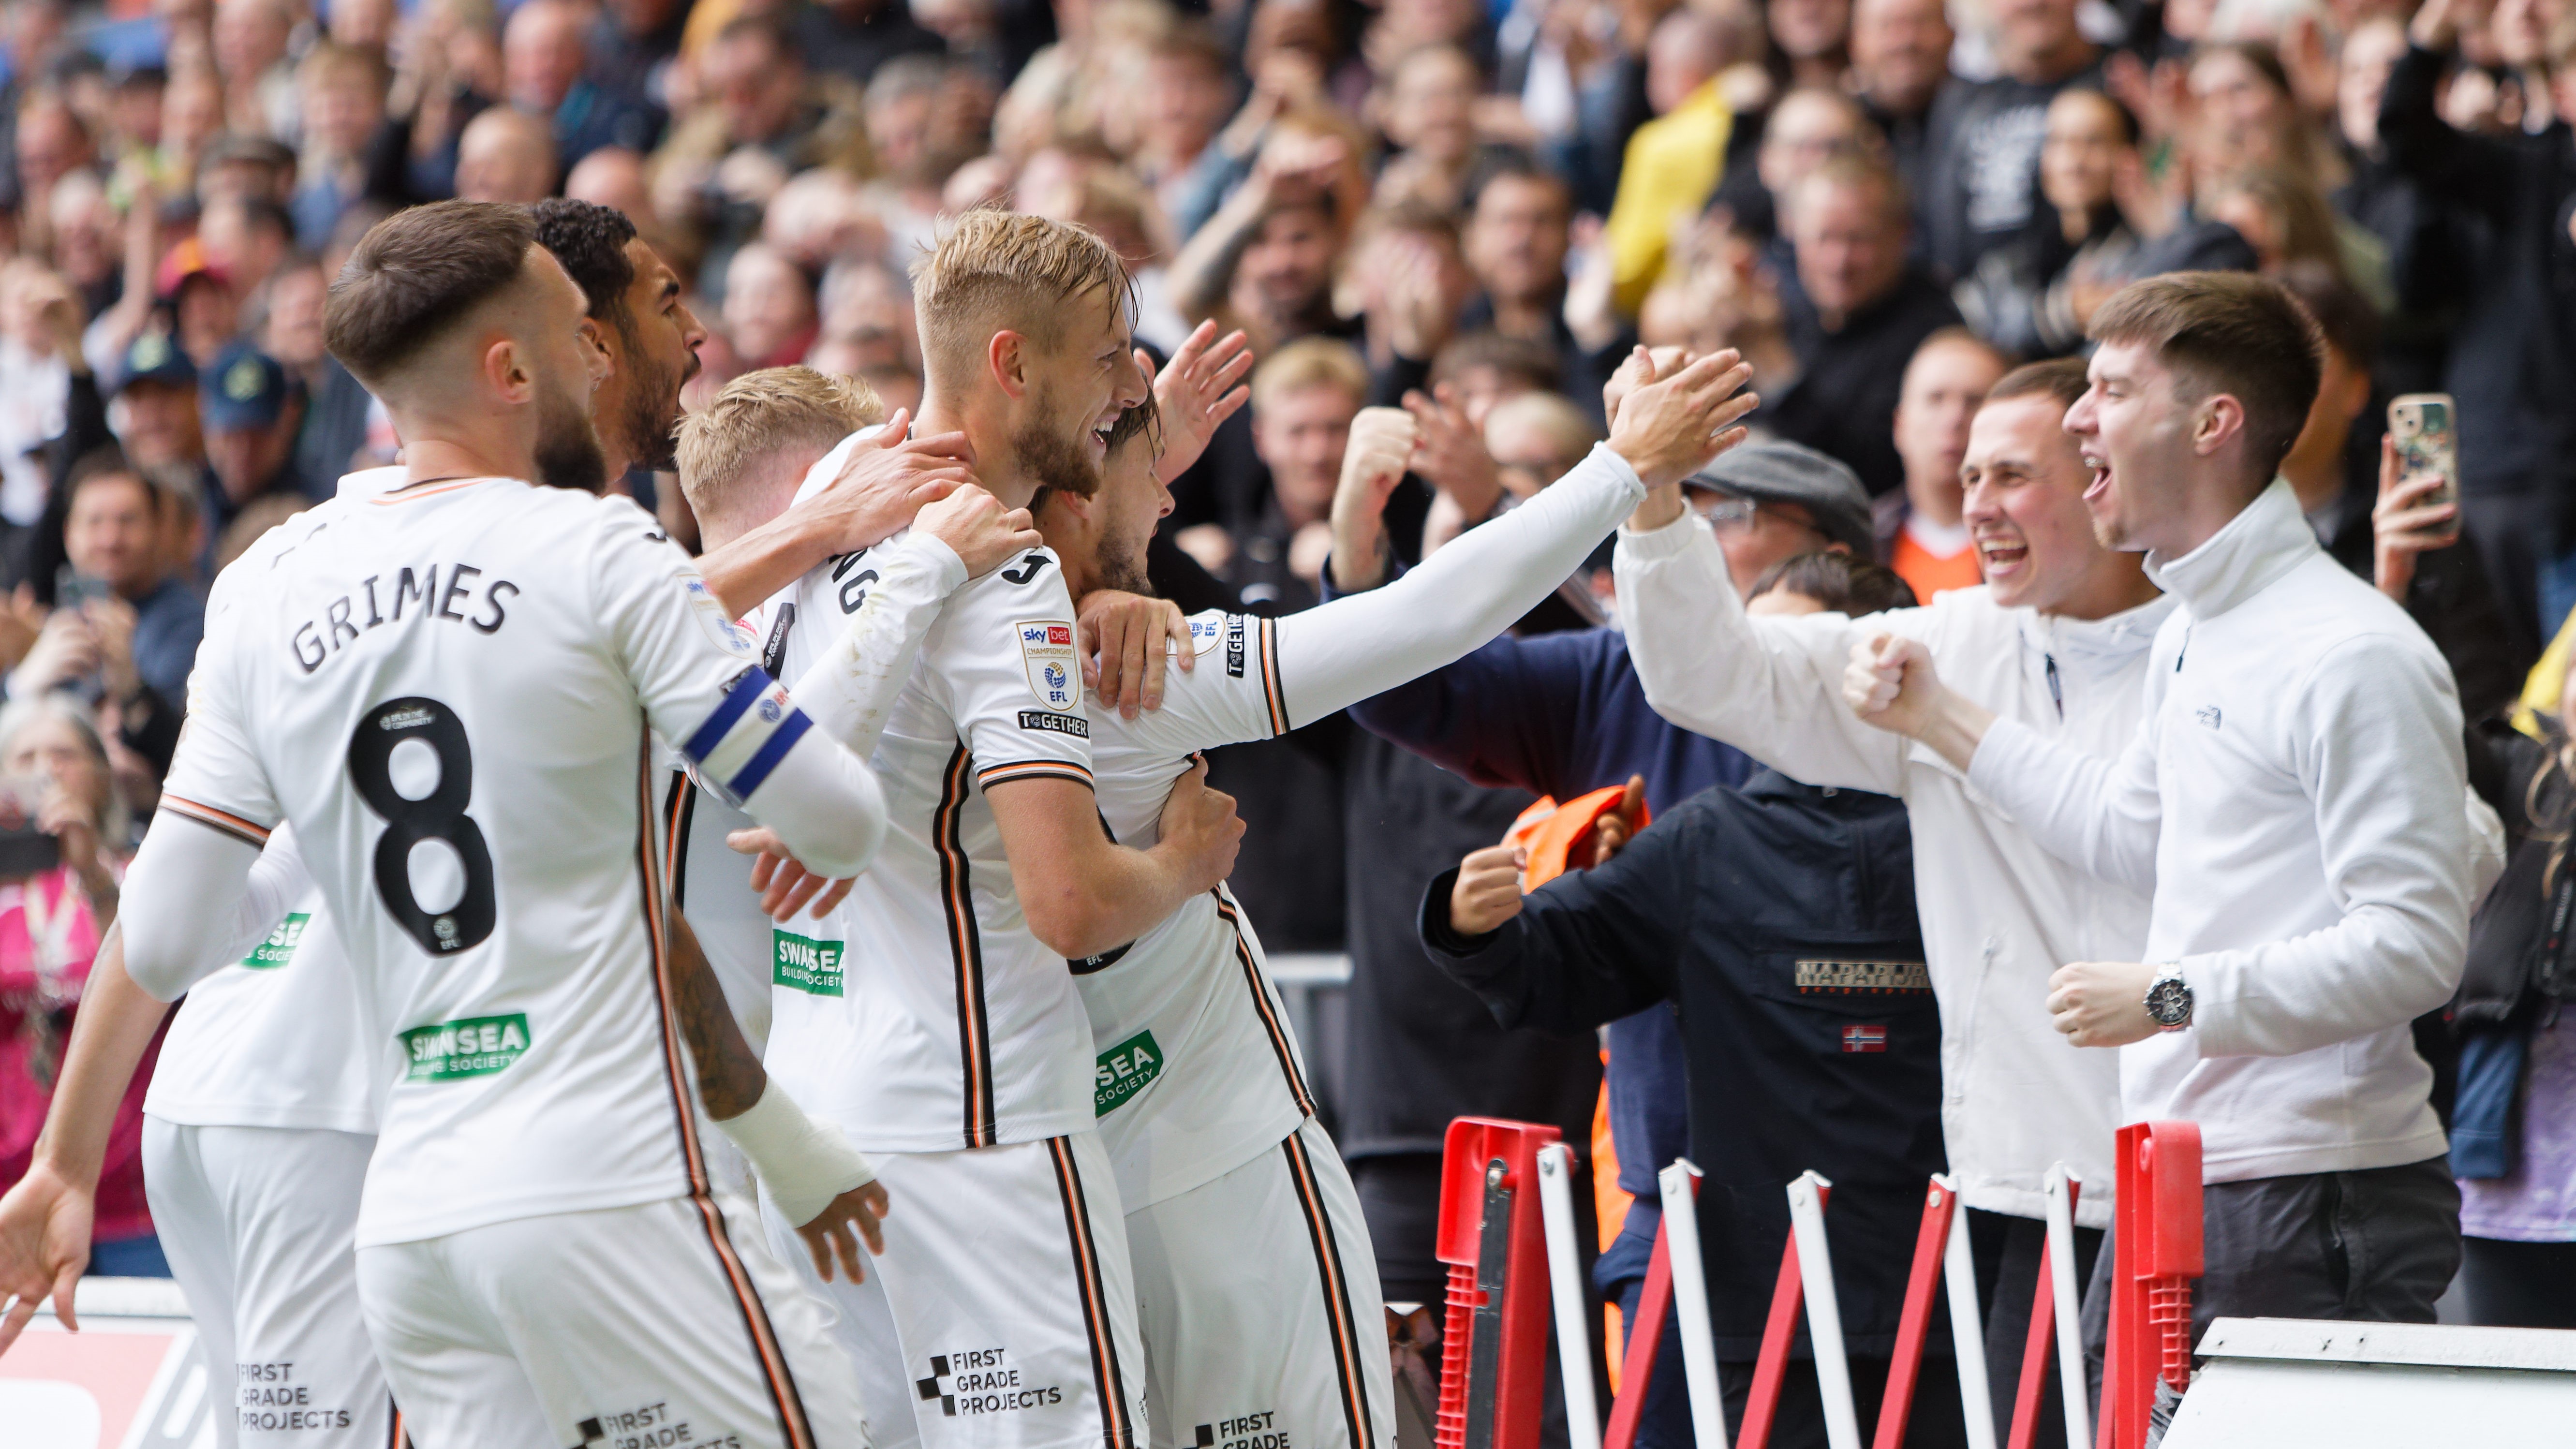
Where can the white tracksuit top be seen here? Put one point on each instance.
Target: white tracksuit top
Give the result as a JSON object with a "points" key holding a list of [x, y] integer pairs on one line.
{"points": [[1999, 911], [2293, 801]]}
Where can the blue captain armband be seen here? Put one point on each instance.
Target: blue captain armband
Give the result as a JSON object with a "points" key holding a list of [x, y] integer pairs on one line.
{"points": [[750, 730]]}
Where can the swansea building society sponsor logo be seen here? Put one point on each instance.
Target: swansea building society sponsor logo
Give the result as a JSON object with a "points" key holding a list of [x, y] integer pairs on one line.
{"points": [[800, 963], [1063, 724], [1123, 1071], [476, 1046], [1838, 976], [280, 946], [981, 1381]]}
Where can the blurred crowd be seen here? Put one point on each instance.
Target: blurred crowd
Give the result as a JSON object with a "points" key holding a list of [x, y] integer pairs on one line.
{"points": [[1441, 223]]}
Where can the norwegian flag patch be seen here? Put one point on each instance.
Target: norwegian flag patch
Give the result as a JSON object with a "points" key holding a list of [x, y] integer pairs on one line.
{"points": [[1866, 1036]]}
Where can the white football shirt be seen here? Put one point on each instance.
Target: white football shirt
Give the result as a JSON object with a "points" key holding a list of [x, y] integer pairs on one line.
{"points": [[940, 1022], [449, 689], [273, 1041]]}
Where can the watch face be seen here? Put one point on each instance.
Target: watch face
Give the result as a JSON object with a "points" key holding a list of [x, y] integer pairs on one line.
{"points": [[2169, 1002]]}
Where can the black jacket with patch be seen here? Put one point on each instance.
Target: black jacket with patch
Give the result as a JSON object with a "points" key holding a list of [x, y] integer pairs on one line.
{"points": [[1779, 919]]}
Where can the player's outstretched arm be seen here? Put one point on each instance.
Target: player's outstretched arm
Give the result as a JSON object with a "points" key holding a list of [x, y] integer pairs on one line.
{"points": [[1366, 643], [1085, 894], [822, 1183], [878, 484]]}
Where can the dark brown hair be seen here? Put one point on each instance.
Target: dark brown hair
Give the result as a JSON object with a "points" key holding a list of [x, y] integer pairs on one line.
{"points": [[1839, 581], [2232, 333], [418, 274], [2061, 378]]}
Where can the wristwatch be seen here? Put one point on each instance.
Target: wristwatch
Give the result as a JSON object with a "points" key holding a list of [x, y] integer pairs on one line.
{"points": [[2169, 999]]}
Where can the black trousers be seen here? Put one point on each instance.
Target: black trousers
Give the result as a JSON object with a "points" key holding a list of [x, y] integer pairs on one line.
{"points": [[1934, 1422], [2519, 1285], [2377, 1245]]}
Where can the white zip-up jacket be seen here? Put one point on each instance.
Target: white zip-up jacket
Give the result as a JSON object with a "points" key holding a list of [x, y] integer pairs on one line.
{"points": [[1999, 911], [2293, 800]]}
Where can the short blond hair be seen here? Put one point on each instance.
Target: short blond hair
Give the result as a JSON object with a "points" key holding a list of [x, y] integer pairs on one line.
{"points": [[1310, 362], [761, 413], [998, 270]]}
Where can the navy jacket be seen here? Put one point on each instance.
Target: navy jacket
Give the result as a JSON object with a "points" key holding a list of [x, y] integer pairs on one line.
{"points": [[1562, 715], [1781, 918]]}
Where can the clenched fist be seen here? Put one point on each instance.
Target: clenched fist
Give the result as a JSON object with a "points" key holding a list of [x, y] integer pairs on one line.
{"points": [[1488, 891]]}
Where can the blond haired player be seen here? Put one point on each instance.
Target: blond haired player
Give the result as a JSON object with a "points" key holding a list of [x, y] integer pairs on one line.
{"points": [[1257, 1285], [930, 1014], [537, 1178]]}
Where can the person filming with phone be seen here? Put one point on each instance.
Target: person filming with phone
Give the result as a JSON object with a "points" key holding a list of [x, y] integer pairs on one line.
{"points": [[125, 625]]}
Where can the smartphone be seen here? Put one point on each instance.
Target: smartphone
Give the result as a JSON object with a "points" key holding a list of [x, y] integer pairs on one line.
{"points": [[72, 588], [2428, 445], [26, 851]]}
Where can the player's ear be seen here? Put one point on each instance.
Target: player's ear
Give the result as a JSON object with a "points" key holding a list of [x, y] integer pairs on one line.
{"points": [[505, 369], [1007, 358]]}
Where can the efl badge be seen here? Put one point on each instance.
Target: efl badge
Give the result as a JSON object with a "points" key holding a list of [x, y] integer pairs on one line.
{"points": [[1046, 649], [1204, 634], [1865, 1037]]}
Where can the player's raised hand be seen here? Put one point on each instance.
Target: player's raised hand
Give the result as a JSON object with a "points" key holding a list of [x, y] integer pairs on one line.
{"points": [[829, 1237], [1671, 427], [1200, 826], [1198, 389], [984, 533], [1121, 638], [44, 1247], [886, 480], [785, 885], [1488, 891], [1642, 365]]}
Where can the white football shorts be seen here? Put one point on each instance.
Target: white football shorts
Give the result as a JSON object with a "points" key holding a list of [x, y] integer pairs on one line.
{"points": [[1264, 1326], [647, 1327], [1002, 1310], [259, 1224]]}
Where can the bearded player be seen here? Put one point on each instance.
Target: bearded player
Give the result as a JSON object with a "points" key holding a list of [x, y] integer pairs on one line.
{"points": [[538, 1173]]}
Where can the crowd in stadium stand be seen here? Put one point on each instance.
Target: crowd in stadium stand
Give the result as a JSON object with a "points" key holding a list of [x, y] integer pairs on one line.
{"points": [[1443, 225]]}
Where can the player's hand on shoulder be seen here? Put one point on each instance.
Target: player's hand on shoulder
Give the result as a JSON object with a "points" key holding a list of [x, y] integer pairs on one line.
{"points": [[1199, 827], [984, 533], [1488, 890], [44, 1247], [1677, 421], [784, 884], [833, 1236], [1122, 639], [886, 481]]}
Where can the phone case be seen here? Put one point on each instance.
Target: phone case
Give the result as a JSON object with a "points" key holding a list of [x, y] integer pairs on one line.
{"points": [[2428, 442]]}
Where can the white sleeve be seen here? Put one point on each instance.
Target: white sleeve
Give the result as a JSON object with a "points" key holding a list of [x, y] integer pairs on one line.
{"points": [[2100, 815], [693, 670], [1772, 688], [278, 879], [889, 596], [2378, 751], [182, 878], [1259, 677], [1366, 644], [1002, 659]]}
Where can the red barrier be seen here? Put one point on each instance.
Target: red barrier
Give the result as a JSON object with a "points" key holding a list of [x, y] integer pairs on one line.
{"points": [[1772, 1367], [1637, 1366], [1493, 1348], [1940, 1210], [2156, 1252], [2040, 1348]]}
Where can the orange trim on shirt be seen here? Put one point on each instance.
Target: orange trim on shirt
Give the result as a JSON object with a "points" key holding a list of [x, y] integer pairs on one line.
{"points": [[1930, 573]]}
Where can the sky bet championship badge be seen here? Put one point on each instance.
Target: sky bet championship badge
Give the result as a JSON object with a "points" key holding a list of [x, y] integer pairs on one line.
{"points": [[1046, 648]]}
